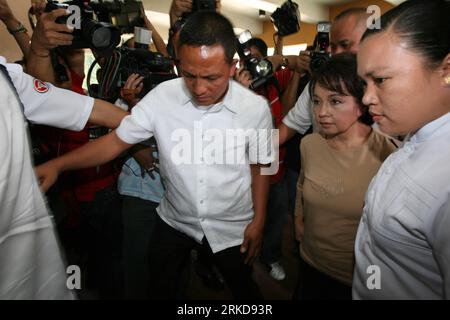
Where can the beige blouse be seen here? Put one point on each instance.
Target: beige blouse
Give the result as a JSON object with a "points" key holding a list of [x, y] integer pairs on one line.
{"points": [[330, 195]]}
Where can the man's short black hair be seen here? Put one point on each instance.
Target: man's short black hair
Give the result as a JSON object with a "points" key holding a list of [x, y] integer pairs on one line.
{"points": [[258, 44], [209, 28]]}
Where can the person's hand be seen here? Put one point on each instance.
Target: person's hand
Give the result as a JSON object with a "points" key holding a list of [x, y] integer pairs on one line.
{"points": [[47, 174], [38, 8], [243, 76], [48, 34], [132, 88], [303, 62], [299, 227], [144, 157], [253, 236], [179, 7], [5, 12]]}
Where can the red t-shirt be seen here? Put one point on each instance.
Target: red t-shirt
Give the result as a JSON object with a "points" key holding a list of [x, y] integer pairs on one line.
{"points": [[271, 93], [83, 183]]}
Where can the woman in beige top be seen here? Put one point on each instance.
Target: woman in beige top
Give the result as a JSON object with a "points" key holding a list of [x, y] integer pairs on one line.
{"points": [[337, 167]]}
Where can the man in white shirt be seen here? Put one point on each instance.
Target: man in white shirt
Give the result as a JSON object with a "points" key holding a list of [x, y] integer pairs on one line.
{"points": [[30, 261], [215, 191]]}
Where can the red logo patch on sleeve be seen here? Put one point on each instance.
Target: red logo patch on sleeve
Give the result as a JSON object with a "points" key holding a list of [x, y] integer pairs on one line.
{"points": [[40, 86]]}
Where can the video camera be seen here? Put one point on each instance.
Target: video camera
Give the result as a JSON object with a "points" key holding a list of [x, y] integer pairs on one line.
{"points": [[201, 5], [153, 66], [320, 55], [286, 19], [261, 70], [101, 37]]}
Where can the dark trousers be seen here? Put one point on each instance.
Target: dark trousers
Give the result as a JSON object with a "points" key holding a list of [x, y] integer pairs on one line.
{"points": [[277, 214], [139, 218], [170, 253], [315, 285]]}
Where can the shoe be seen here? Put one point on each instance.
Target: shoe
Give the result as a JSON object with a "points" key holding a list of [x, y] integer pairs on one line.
{"points": [[277, 271], [209, 277]]}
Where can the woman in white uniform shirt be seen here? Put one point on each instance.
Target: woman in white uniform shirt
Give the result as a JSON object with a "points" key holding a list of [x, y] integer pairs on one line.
{"points": [[403, 243]]}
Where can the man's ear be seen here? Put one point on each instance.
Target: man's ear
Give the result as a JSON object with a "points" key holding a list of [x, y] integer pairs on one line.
{"points": [[445, 66], [233, 67]]}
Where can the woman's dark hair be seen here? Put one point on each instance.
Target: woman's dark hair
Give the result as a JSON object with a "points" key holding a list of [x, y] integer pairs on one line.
{"points": [[209, 28], [424, 25], [259, 44], [339, 74]]}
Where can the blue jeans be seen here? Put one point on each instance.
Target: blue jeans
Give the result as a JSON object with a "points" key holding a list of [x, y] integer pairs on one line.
{"points": [[277, 212]]}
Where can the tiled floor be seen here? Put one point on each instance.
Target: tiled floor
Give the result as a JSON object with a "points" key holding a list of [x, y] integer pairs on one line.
{"points": [[271, 289]]}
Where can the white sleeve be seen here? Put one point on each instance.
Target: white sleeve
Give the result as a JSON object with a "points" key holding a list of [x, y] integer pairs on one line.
{"points": [[300, 117], [46, 104], [138, 126], [261, 149]]}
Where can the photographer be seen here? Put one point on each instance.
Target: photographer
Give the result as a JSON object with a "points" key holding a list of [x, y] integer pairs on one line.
{"points": [[345, 35], [277, 205], [91, 226]]}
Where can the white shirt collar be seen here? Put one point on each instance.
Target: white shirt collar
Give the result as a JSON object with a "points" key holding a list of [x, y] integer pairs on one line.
{"points": [[227, 101], [432, 129]]}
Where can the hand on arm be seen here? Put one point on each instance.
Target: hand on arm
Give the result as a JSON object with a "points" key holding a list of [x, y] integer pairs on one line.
{"points": [[144, 157], [91, 154], [254, 232]]}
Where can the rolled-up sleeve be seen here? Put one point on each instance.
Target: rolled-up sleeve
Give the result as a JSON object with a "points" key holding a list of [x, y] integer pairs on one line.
{"points": [[300, 117], [46, 104], [138, 126], [261, 146]]}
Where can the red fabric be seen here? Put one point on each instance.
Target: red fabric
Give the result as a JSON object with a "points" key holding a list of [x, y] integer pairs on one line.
{"points": [[83, 183], [271, 93]]}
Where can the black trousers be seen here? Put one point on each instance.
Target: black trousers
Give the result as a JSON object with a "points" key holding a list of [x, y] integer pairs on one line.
{"points": [[315, 285], [169, 254]]}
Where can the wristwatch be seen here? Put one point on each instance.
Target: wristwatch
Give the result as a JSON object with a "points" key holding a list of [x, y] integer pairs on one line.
{"points": [[20, 29]]}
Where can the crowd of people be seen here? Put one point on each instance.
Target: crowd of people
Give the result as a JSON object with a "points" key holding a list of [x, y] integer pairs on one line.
{"points": [[134, 187]]}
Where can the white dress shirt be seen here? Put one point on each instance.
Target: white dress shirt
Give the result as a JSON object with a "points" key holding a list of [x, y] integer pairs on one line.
{"points": [[402, 248], [207, 192], [31, 266]]}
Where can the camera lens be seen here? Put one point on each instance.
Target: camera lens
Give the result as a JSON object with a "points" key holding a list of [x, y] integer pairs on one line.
{"points": [[101, 38]]}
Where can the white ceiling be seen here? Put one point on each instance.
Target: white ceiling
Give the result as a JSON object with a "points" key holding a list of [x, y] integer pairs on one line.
{"points": [[245, 14]]}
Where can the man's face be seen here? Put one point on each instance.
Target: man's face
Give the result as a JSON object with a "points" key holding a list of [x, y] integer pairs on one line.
{"points": [[402, 97], [346, 34], [205, 72]]}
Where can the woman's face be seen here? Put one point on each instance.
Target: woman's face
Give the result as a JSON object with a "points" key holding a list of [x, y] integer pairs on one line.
{"points": [[334, 112], [402, 92]]}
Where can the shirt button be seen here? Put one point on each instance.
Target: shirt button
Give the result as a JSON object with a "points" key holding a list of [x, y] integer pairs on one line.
{"points": [[201, 180], [409, 148], [388, 170], [201, 201]]}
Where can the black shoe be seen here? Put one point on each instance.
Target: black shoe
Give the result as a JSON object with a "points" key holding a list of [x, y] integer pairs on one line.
{"points": [[209, 277]]}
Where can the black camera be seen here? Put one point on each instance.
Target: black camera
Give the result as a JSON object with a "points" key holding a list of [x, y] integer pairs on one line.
{"points": [[320, 55], [123, 14], [286, 19], [153, 66], [101, 37], [261, 70], [201, 5]]}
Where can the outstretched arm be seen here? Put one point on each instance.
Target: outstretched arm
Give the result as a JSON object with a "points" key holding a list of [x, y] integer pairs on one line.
{"points": [[91, 154]]}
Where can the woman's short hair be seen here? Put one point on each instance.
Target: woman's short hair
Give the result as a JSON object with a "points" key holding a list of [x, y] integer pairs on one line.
{"points": [[339, 74]]}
